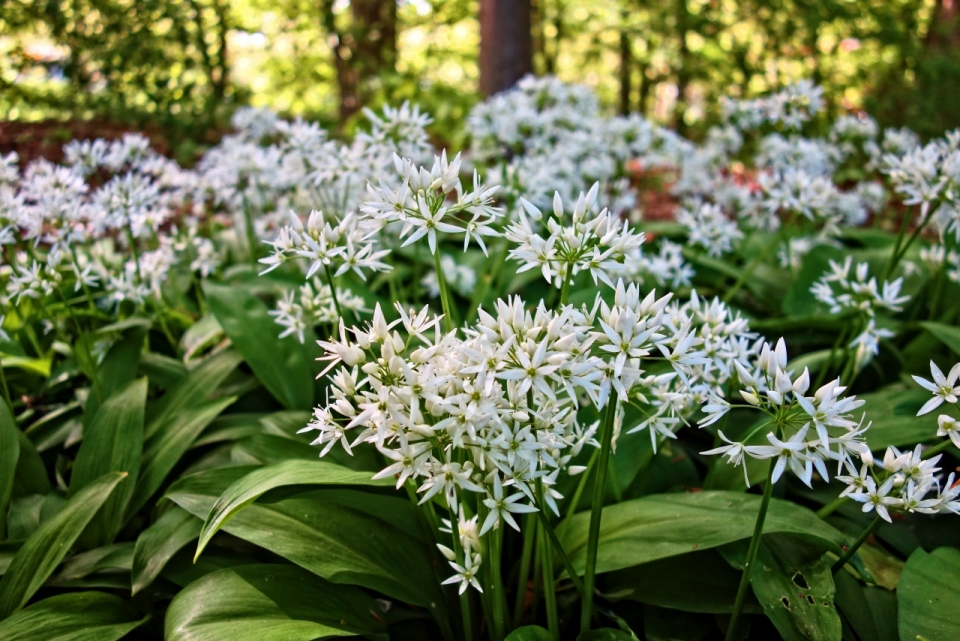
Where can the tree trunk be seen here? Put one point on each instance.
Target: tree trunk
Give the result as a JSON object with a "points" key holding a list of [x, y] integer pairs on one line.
{"points": [[626, 66], [506, 44], [362, 49]]}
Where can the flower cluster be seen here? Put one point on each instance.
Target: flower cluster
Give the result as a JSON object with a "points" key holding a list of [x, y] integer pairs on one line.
{"points": [[584, 240], [419, 203], [945, 389], [804, 432], [902, 483]]}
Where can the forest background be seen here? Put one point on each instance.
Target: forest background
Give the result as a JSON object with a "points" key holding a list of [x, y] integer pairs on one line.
{"points": [[177, 69]]}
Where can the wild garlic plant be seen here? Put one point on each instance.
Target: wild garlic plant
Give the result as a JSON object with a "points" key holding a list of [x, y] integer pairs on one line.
{"points": [[859, 295]]}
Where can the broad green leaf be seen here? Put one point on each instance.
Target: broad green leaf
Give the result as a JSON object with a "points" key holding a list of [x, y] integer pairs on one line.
{"points": [[56, 426], [112, 443], [193, 389], [164, 449], [283, 366], [793, 582], [206, 332], [799, 300], [664, 525], [378, 542], [893, 412], [118, 368], [163, 371], [30, 476], [78, 616], [529, 633], [270, 603], [871, 611], [662, 624], [694, 582], [116, 556], [39, 366], [8, 550], [266, 449], [928, 599], [159, 542], [46, 547], [606, 634], [9, 455], [245, 491], [949, 335]]}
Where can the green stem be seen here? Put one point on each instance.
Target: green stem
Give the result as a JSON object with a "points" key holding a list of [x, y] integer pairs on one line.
{"points": [[529, 537], [936, 449], [133, 248], [550, 589], [251, 234], [825, 369], [333, 289], [897, 252], [581, 486], [6, 390], [831, 507], [751, 556], [83, 285], [555, 541], [498, 620], [752, 267], [465, 596], [848, 554], [444, 294], [565, 291], [596, 513]]}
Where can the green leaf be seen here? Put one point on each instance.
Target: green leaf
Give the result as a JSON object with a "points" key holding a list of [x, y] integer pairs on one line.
{"points": [[8, 550], [162, 371], [245, 491], [118, 368], [694, 582], [283, 366], [928, 599], [30, 476], [869, 610], [529, 633], [949, 335], [206, 332], [9, 455], [269, 603], [605, 634], [794, 584], [116, 556], [893, 411], [193, 389], [39, 366], [113, 443], [378, 542], [159, 542], [664, 525], [46, 547], [799, 300], [78, 616], [165, 448]]}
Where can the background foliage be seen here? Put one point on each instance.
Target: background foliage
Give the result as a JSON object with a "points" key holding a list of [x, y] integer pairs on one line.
{"points": [[186, 64]]}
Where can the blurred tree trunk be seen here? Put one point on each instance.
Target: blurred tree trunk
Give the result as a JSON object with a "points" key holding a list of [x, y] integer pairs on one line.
{"points": [[944, 32], [506, 44], [684, 73], [362, 48], [626, 65]]}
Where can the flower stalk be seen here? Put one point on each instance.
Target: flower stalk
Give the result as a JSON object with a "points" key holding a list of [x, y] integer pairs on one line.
{"points": [[596, 513]]}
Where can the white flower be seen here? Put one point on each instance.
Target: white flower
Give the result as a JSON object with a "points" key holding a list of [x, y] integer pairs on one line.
{"points": [[944, 388], [876, 498], [503, 507], [948, 426]]}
